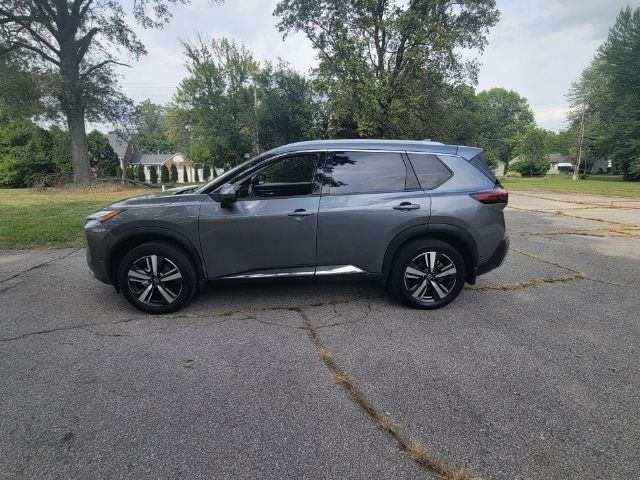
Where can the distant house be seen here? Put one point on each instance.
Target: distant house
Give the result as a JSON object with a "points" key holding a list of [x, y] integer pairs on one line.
{"points": [[130, 156]]}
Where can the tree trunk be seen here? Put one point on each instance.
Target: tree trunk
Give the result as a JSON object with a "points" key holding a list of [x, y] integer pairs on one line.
{"points": [[79, 146]]}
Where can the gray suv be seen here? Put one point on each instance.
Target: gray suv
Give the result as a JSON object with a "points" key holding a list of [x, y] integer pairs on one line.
{"points": [[423, 216]]}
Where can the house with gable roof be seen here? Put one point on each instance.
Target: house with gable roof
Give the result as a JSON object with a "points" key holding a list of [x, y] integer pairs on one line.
{"points": [[129, 156]]}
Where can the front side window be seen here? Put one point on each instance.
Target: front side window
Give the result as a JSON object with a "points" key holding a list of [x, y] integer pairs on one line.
{"points": [[366, 172], [289, 176]]}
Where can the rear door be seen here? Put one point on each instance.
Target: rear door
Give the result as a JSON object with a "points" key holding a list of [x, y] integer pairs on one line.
{"points": [[367, 199]]}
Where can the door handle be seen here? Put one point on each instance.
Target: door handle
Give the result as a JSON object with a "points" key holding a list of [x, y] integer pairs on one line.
{"points": [[405, 206], [300, 212]]}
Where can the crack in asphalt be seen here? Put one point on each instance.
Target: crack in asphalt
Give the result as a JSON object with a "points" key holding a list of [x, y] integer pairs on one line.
{"points": [[35, 267]]}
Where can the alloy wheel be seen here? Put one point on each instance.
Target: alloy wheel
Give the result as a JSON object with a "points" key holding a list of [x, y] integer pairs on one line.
{"points": [[155, 280], [430, 277]]}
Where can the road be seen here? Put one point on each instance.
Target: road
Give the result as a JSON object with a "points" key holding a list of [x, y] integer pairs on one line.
{"points": [[533, 372]]}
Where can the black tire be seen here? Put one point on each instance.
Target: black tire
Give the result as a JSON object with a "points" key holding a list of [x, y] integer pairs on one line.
{"points": [[145, 288], [420, 287]]}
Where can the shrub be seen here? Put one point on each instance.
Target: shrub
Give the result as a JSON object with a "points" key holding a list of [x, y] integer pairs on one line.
{"points": [[531, 167], [196, 178], [206, 172], [140, 173], [164, 174], [153, 175], [513, 175], [174, 173], [131, 173], [185, 175], [633, 171]]}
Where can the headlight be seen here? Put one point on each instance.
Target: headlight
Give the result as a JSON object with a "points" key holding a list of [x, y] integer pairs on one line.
{"points": [[104, 215]]}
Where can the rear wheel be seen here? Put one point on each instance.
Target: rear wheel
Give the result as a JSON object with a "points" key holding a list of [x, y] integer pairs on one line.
{"points": [[157, 277], [427, 274]]}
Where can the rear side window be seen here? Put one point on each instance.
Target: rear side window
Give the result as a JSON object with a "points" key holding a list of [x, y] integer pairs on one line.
{"points": [[481, 164], [430, 171], [366, 172]]}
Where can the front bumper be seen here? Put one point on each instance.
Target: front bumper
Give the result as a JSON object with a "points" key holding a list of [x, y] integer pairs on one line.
{"points": [[496, 259], [96, 240]]}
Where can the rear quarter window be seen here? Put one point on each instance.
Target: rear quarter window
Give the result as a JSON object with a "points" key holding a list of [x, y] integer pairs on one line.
{"points": [[431, 172], [481, 164]]}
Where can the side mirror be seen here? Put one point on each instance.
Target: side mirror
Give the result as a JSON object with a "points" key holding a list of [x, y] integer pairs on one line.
{"points": [[258, 179], [226, 195]]}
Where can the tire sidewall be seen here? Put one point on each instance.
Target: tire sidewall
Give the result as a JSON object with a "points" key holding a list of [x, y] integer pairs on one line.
{"points": [[177, 256], [412, 250]]}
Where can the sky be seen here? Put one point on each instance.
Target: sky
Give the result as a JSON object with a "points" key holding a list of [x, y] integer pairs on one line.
{"points": [[537, 49]]}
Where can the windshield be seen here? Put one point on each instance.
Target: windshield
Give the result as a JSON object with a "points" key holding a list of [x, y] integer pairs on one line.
{"points": [[222, 179]]}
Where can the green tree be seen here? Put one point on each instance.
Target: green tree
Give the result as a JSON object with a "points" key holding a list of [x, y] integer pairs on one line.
{"points": [[196, 177], [503, 117], [213, 116], [384, 63], [153, 175], [533, 144], [164, 174], [140, 173], [185, 175], [101, 155], [151, 128], [24, 153], [531, 167], [206, 172], [74, 43], [286, 106], [61, 149], [607, 93], [174, 173]]}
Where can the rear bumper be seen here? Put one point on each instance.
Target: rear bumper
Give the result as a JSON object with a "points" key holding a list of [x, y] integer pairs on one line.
{"points": [[496, 259]]}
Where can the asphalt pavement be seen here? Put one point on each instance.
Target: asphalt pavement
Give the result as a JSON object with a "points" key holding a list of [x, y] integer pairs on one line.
{"points": [[534, 372]]}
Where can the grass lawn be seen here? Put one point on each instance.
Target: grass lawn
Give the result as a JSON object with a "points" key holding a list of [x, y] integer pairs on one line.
{"points": [[595, 185], [52, 218]]}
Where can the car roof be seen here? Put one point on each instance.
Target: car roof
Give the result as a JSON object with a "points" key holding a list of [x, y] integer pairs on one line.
{"points": [[426, 146]]}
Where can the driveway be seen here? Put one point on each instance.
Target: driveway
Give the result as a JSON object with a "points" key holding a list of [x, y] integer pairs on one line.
{"points": [[533, 372]]}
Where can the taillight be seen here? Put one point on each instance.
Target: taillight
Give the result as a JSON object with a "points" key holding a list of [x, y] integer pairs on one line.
{"points": [[497, 195]]}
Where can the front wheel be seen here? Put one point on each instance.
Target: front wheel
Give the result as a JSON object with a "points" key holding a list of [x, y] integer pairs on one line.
{"points": [[157, 277], [427, 274]]}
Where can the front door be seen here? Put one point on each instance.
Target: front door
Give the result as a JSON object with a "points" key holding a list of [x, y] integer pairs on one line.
{"points": [[272, 226]]}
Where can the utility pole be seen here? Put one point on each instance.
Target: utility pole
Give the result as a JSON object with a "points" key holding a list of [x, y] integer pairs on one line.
{"points": [[255, 111], [576, 170]]}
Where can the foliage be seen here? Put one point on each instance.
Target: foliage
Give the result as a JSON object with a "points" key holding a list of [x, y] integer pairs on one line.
{"points": [[24, 153], [153, 175], [174, 173], [533, 144], [151, 128], [383, 64], [131, 172], [185, 175], [164, 174], [206, 172], [20, 89], [196, 175], [513, 174], [503, 116], [101, 155], [529, 167], [607, 93], [140, 173]]}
